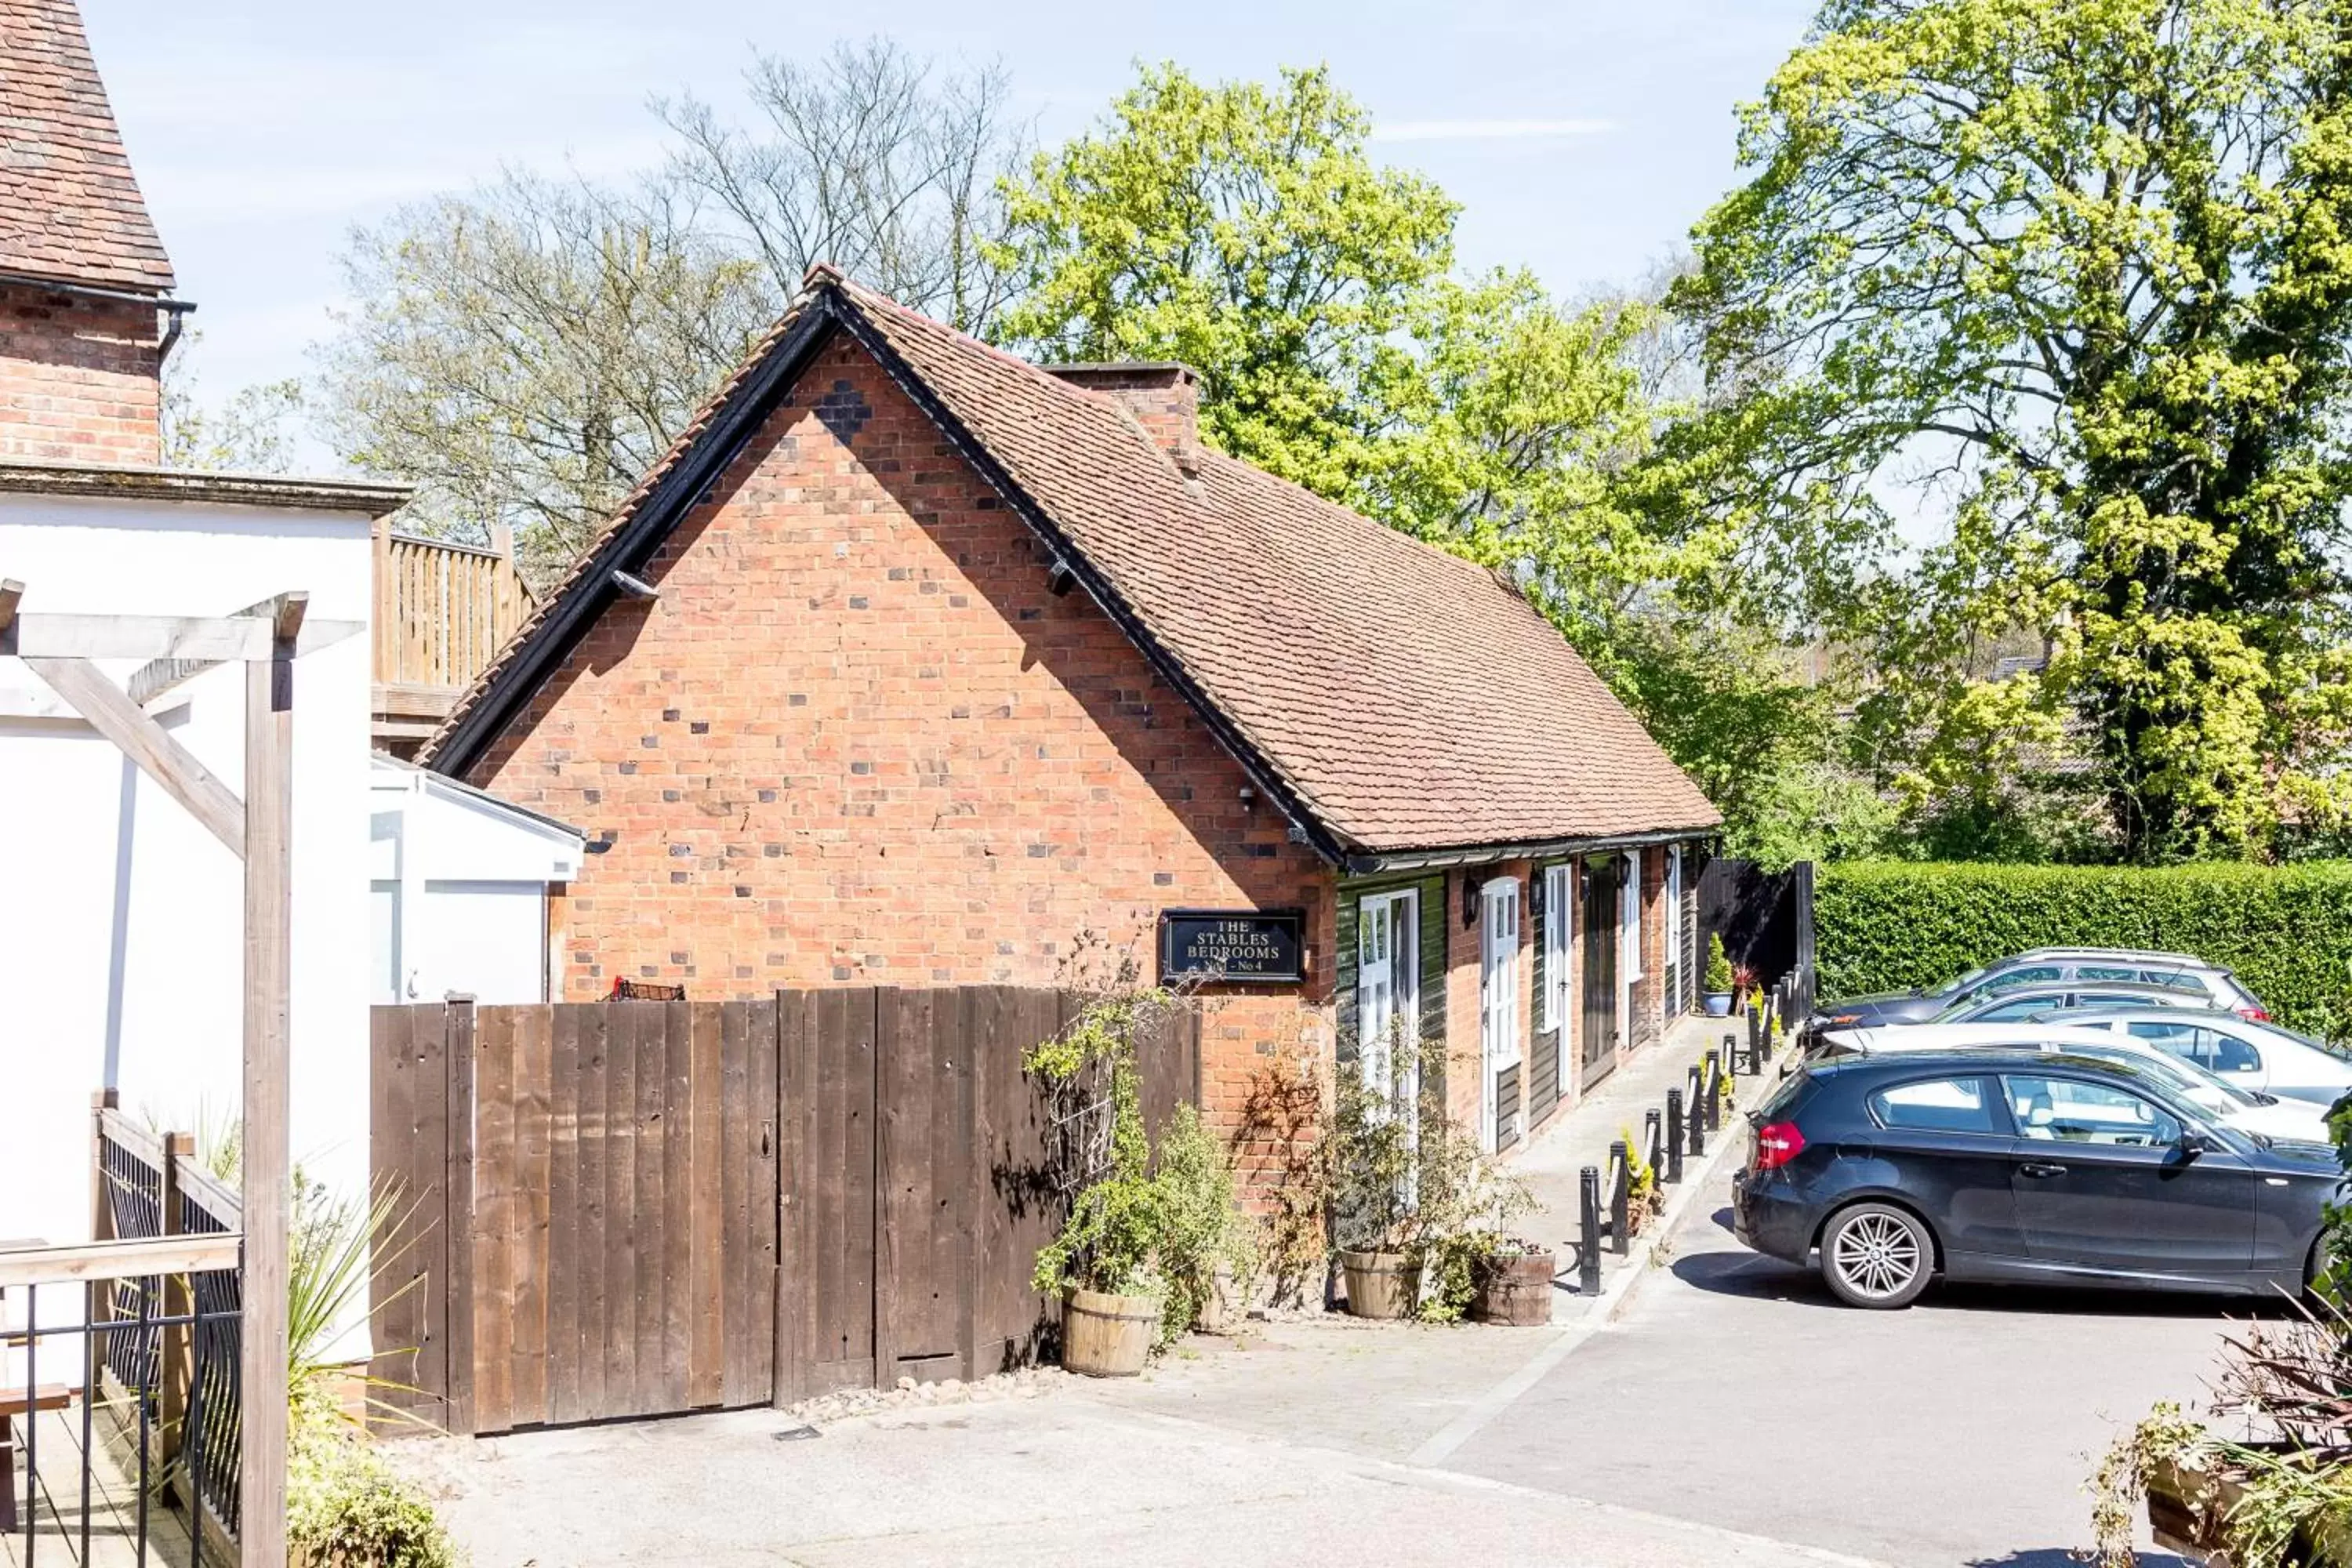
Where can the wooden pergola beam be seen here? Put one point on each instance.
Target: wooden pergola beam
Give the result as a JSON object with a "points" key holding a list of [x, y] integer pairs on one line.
{"points": [[158, 676], [197, 639], [112, 713]]}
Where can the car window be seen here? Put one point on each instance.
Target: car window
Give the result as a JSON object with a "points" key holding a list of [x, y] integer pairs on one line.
{"points": [[2102, 972], [2016, 1007], [2064, 1111], [2224, 1053], [1939, 1104], [2010, 980], [2104, 999], [2170, 979]]}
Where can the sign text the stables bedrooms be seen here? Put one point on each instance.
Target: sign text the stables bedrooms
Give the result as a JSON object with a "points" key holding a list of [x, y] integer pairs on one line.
{"points": [[1232, 944]]}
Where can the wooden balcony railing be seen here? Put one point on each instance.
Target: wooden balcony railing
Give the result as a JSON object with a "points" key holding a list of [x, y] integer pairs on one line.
{"points": [[443, 611]]}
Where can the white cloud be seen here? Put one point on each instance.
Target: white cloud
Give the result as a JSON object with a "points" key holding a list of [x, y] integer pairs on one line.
{"points": [[1489, 129]]}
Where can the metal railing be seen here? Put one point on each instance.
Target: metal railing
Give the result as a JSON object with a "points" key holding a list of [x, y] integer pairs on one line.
{"points": [[108, 1492], [182, 1377]]}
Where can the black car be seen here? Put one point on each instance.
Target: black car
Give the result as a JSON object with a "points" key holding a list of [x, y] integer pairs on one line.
{"points": [[2021, 1166]]}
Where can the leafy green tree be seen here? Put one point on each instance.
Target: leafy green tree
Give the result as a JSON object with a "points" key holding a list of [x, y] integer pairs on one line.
{"points": [[1246, 231], [2080, 266]]}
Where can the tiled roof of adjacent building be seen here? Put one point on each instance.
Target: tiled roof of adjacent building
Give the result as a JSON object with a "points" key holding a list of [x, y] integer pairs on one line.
{"points": [[1397, 698], [69, 205]]}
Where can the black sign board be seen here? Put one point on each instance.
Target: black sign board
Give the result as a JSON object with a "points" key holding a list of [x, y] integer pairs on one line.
{"points": [[1232, 944]]}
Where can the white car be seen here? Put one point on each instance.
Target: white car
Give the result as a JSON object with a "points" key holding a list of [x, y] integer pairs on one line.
{"points": [[2249, 1111], [2262, 1056]]}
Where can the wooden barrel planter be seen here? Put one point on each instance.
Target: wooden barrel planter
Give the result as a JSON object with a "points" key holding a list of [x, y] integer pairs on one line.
{"points": [[1380, 1284], [1515, 1290], [1107, 1336]]}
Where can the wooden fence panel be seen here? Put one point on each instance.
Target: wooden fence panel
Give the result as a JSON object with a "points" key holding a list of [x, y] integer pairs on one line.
{"points": [[634, 1208]]}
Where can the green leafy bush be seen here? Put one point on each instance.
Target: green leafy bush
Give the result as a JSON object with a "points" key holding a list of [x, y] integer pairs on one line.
{"points": [[345, 1508], [2286, 931]]}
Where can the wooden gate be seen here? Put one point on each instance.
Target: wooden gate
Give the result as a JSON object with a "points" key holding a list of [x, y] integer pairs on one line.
{"points": [[633, 1208]]}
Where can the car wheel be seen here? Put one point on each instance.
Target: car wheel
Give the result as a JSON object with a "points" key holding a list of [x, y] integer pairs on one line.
{"points": [[1875, 1254]]}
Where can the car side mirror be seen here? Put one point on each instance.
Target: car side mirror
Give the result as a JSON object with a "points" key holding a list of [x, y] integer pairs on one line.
{"points": [[2193, 1143]]}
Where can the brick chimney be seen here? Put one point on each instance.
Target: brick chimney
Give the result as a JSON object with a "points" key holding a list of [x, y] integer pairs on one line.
{"points": [[1164, 397]]}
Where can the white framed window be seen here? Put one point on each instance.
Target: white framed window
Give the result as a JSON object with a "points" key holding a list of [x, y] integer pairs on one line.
{"points": [[1628, 919], [1678, 975], [1388, 990], [1558, 923], [1498, 994]]}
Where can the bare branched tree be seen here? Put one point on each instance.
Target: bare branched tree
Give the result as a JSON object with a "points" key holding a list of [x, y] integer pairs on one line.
{"points": [[523, 354], [873, 159]]}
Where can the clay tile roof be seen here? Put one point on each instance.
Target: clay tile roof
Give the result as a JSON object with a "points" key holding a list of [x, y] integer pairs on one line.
{"points": [[1402, 698], [69, 205]]}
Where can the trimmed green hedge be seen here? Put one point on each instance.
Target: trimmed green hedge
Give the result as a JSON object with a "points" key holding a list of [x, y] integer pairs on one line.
{"points": [[2285, 930]]}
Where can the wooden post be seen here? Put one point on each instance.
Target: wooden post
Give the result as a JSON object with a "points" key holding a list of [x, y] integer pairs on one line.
{"points": [[268, 866]]}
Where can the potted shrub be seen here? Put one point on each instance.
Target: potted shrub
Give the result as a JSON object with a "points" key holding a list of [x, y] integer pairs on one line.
{"points": [[1369, 1156], [1511, 1283], [1717, 998], [1416, 1211], [1138, 1259]]}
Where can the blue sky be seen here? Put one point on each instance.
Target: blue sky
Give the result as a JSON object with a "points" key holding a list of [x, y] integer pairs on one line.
{"points": [[1582, 136]]}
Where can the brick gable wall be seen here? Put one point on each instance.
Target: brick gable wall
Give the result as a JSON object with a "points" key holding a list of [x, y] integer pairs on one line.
{"points": [[78, 378], [858, 741]]}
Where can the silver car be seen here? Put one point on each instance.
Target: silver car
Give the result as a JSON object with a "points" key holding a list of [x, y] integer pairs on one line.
{"points": [[2253, 1054]]}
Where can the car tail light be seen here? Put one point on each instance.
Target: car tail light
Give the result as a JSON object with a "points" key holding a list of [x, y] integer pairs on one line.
{"points": [[2255, 1015], [1777, 1143]]}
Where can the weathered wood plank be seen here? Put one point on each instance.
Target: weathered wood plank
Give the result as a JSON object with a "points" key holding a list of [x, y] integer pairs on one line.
{"points": [[765, 1130], [564, 1259], [426, 1201], [528, 1259], [652, 1305], [624, 1121], [496, 1219], [593, 1179], [461, 1213], [677, 1201], [734, 1263], [705, 1217]]}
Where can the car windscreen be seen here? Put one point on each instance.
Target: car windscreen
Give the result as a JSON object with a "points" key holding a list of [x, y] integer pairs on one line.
{"points": [[2186, 1079], [2300, 1038]]}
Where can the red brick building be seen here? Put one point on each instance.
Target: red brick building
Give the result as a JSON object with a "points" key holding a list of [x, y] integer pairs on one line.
{"points": [[86, 312], [913, 663]]}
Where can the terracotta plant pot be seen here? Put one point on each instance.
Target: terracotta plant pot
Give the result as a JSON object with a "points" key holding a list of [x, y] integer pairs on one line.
{"points": [[1380, 1284], [1514, 1291], [1107, 1336]]}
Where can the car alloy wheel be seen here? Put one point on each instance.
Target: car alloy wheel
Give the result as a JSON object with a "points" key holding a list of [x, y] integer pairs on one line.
{"points": [[1875, 1256]]}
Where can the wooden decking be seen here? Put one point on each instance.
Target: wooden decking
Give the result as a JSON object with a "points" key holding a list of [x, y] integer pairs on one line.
{"points": [[54, 1504]]}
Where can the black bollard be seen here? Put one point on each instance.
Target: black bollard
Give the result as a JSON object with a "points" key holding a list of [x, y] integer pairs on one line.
{"points": [[1714, 1075], [1621, 1195], [1697, 1120], [1652, 1142], [1731, 1053], [1588, 1250], [1674, 1171]]}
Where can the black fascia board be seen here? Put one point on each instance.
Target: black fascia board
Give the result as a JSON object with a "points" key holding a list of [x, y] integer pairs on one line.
{"points": [[673, 497]]}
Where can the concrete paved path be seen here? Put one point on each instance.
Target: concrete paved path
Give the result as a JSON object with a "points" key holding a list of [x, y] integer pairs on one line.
{"points": [[1058, 1481]]}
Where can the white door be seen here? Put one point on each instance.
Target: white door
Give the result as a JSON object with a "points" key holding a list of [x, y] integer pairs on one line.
{"points": [[1498, 996], [1387, 1002]]}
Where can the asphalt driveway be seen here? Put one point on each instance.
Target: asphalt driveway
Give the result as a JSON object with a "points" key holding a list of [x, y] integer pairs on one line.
{"points": [[1736, 1390]]}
